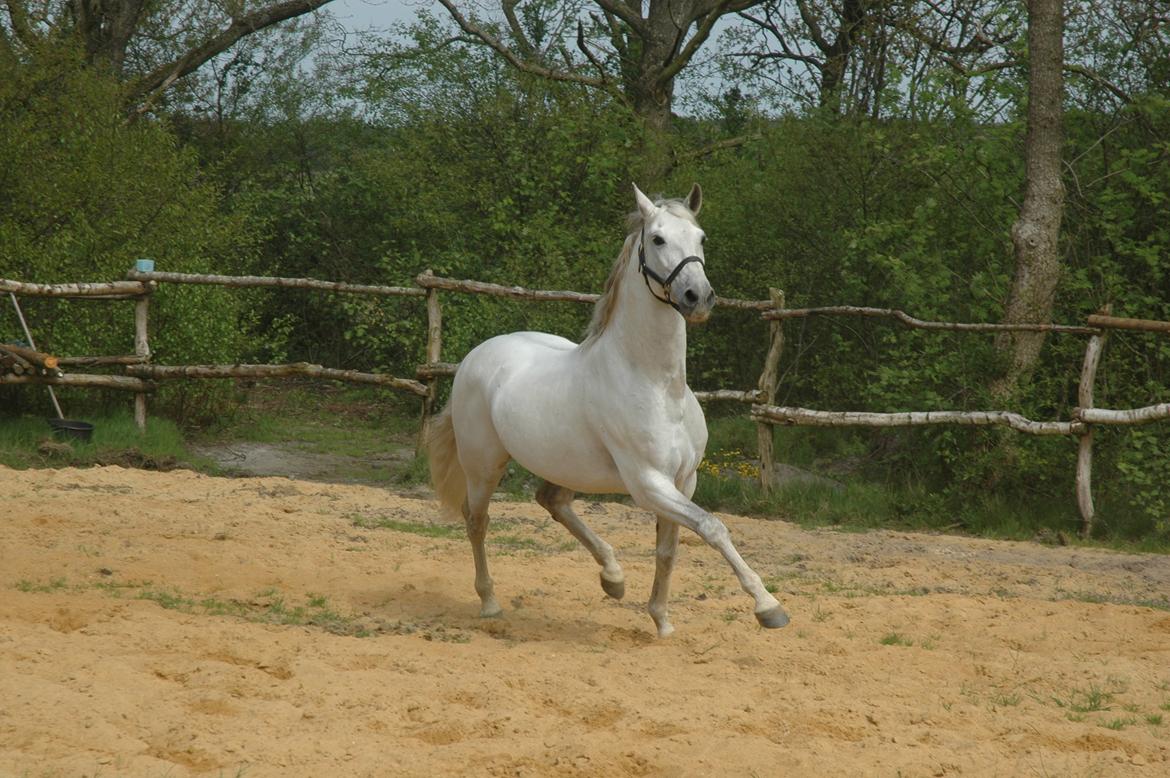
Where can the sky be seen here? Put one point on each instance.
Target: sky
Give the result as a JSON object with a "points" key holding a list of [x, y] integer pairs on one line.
{"points": [[358, 15]]}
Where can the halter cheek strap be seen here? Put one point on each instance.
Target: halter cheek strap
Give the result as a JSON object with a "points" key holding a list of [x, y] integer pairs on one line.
{"points": [[647, 273]]}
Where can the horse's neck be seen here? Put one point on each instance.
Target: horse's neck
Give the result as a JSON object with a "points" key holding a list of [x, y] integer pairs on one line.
{"points": [[649, 334]]}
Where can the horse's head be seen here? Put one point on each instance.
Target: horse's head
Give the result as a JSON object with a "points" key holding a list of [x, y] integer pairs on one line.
{"points": [[670, 254]]}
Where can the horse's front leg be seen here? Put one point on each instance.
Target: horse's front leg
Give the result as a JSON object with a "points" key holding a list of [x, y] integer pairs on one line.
{"points": [[654, 492]]}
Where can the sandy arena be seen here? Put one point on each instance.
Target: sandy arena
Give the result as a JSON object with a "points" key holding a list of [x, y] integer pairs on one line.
{"points": [[171, 624]]}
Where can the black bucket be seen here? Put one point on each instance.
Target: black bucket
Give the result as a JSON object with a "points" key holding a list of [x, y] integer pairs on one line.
{"points": [[72, 429]]}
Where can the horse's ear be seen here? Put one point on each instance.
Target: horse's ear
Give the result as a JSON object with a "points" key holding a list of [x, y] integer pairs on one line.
{"points": [[695, 199], [645, 204]]}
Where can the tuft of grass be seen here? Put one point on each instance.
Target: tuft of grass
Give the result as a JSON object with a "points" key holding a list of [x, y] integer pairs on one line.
{"points": [[514, 543], [1098, 598], [1119, 723], [1089, 700], [896, 639], [54, 585], [411, 527], [1154, 719]]}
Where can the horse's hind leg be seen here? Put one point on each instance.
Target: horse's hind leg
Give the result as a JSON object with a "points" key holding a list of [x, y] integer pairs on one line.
{"points": [[665, 553], [558, 501], [475, 514]]}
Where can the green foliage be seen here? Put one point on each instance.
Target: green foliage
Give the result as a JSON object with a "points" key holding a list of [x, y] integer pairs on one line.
{"points": [[84, 191]]}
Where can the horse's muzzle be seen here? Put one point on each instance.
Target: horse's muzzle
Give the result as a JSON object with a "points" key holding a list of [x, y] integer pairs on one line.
{"points": [[695, 305]]}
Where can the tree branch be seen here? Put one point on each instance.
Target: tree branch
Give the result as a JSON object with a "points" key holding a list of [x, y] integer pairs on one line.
{"points": [[512, 58], [623, 11], [526, 47], [814, 29], [1099, 80], [158, 80], [681, 59], [589, 54]]}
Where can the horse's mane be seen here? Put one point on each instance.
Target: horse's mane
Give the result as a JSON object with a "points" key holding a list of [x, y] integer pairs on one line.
{"points": [[603, 308]]}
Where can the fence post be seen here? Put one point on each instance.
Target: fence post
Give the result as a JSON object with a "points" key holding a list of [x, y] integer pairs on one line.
{"points": [[142, 349], [769, 380], [433, 355], [1085, 444]]}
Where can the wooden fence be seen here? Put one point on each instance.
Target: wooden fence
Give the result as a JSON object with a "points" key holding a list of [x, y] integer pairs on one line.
{"points": [[142, 375], [1084, 416], [31, 367]]}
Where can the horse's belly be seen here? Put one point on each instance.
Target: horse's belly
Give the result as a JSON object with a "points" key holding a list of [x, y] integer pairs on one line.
{"points": [[591, 471], [554, 442]]}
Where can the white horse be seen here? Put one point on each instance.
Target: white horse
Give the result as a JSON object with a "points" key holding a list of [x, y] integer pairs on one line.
{"points": [[611, 415]]}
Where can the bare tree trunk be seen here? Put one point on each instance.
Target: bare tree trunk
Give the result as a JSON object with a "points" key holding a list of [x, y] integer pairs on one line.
{"points": [[1035, 235]]}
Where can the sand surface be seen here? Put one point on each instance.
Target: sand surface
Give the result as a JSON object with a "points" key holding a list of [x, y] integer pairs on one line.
{"points": [[172, 624]]}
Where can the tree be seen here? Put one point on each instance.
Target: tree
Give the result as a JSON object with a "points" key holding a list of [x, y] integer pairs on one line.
{"points": [[1036, 233], [148, 46], [844, 56], [633, 54], [822, 39]]}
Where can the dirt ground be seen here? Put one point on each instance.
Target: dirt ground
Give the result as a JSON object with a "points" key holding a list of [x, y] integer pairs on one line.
{"points": [[170, 624]]}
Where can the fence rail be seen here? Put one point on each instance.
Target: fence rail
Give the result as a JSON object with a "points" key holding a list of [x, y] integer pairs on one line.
{"points": [[911, 321], [804, 416], [141, 374]]}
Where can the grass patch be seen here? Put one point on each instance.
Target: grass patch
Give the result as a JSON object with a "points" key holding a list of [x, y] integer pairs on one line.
{"points": [[445, 531], [366, 428], [896, 639], [514, 543], [1119, 724], [27, 586], [508, 542], [270, 607], [1089, 700], [1006, 700], [1109, 599], [27, 441], [1154, 719]]}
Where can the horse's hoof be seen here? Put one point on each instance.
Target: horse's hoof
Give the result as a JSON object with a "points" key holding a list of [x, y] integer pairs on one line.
{"points": [[615, 589], [491, 610], [773, 618]]}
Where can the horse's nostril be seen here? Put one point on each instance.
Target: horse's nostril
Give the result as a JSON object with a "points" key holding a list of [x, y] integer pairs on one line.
{"points": [[711, 297], [691, 297]]}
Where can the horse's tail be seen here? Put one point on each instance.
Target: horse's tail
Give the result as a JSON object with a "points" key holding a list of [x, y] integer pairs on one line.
{"points": [[446, 473]]}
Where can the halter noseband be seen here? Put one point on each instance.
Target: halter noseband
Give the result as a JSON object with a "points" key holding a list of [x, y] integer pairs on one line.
{"points": [[647, 273]]}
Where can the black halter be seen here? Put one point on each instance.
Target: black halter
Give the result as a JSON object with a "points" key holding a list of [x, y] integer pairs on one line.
{"points": [[647, 273]]}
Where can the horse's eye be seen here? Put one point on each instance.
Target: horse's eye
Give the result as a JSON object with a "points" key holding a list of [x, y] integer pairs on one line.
{"points": [[659, 240], [703, 239]]}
